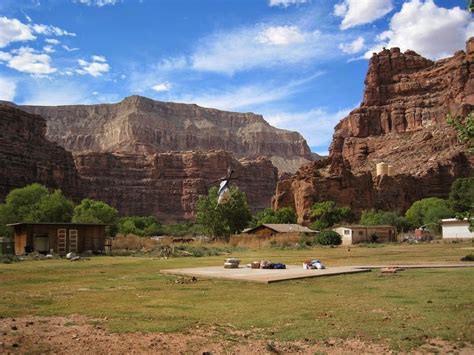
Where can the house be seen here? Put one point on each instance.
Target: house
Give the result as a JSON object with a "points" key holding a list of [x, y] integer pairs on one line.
{"points": [[352, 234], [59, 238], [270, 234], [453, 228]]}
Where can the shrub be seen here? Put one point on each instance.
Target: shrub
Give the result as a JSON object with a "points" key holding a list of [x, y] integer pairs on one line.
{"points": [[329, 237], [468, 257]]}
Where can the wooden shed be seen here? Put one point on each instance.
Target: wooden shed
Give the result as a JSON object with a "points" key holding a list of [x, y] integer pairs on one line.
{"points": [[59, 238]]}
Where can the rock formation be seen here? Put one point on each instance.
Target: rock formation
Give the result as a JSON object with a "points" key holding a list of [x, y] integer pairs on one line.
{"points": [[402, 122], [141, 125], [26, 156], [168, 185]]}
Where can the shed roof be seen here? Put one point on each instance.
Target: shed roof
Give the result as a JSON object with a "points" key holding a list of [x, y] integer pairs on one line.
{"points": [[283, 228], [349, 226], [54, 224]]}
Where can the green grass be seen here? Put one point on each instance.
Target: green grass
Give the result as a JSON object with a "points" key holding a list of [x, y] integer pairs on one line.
{"points": [[401, 309]]}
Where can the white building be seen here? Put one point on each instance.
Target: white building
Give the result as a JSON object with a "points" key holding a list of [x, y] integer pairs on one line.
{"points": [[456, 229]]}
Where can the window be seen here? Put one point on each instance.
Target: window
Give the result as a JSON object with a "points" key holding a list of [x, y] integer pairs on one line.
{"points": [[361, 233], [347, 231]]}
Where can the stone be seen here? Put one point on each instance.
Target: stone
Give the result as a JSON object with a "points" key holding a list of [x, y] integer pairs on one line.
{"points": [[402, 122], [139, 125], [26, 156]]}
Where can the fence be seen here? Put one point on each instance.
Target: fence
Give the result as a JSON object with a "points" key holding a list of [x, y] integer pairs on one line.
{"points": [[257, 241]]}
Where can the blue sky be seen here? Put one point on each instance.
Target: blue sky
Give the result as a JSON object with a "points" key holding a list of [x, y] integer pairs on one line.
{"points": [[300, 63]]}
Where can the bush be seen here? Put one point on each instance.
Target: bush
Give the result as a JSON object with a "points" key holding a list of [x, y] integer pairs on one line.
{"points": [[329, 237], [468, 257]]}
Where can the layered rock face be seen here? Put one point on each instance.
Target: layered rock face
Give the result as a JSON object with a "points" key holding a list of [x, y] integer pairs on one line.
{"points": [[168, 185], [26, 156], [402, 122], [139, 125]]}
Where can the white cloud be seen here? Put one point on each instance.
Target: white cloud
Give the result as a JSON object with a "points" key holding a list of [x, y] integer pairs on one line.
{"points": [[316, 125], [286, 3], [242, 49], [280, 35], [359, 12], [27, 60], [96, 68], [49, 49], [12, 30], [170, 64], [166, 86], [7, 89], [70, 49], [98, 3], [432, 31], [353, 47], [246, 96], [99, 58], [48, 30], [52, 41]]}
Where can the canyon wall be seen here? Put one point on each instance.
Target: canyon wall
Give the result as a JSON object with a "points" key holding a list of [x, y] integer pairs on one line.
{"points": [[26, 156], [401, 121], [145, 126]]}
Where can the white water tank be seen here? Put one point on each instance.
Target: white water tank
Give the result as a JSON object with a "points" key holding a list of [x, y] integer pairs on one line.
{"points": [[382, 169]]}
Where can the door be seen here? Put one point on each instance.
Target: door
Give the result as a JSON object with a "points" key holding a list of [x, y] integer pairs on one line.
{"points": [[62, 241], [73, 240]]}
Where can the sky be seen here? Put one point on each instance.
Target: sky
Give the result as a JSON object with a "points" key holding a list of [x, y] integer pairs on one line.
{"points": [[299, 63]]}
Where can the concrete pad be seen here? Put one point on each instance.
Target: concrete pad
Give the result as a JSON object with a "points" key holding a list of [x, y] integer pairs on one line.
{"points": [[292, 272]]}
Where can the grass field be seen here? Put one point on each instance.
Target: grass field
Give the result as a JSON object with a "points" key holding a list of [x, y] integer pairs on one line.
{"points": [[402, 309]]}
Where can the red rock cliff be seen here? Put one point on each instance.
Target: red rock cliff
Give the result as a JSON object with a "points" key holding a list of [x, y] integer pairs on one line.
{"points": [[141, 125], [402, 122], [26, 156]]}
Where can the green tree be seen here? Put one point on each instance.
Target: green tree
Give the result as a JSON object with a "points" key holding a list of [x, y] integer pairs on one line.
{"points": [[461, 197], [34, 203], [138, 225], [326, 214], [224, 219], [282, 215], [328, 237], [464, 128], [375, 217], [428, 211], [91, 211]]}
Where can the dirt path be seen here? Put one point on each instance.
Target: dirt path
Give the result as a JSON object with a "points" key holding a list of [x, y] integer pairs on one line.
{"points": [[81, 335]]}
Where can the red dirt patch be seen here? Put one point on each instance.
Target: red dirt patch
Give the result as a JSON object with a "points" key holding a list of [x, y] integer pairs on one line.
{"points": [[82, 335]]}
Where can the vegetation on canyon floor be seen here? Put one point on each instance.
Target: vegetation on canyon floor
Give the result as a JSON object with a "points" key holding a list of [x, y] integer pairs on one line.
{"points": [[35, 203], [402, 309]]}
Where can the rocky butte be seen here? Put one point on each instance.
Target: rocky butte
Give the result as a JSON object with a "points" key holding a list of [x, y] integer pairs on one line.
{"points": [[143, 156], [402, 122]]}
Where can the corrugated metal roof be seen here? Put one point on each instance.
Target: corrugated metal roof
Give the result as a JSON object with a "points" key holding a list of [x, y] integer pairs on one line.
{"points": [[283, 228], [55, 224]]}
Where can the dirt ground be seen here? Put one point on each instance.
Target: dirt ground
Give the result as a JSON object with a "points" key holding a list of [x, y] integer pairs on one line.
{"points": [[81, 335]]}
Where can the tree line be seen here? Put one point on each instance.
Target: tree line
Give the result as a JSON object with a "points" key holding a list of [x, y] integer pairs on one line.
{"points": [[35, 203]]}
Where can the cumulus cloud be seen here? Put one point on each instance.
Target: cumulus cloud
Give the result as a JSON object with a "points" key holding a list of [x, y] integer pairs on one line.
{"points": [[432, 31], [7, 89], [257, 47], [52, 41], [166, 86], [359, 12], [353, 47], [98, 3], [49, 49], [27, 60], [280, 35], [286, 3], [95, 68], [12, 30], [316, 125]]}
